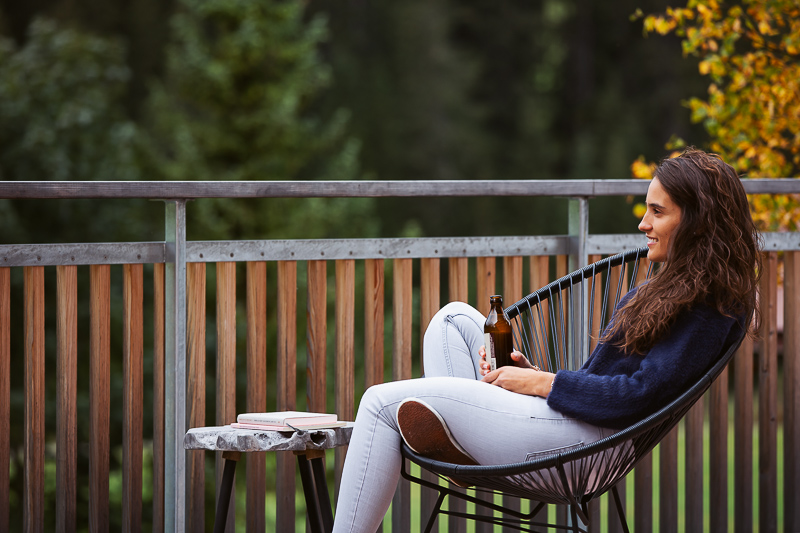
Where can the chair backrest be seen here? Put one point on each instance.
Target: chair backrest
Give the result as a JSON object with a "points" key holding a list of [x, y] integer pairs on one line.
{"points": [[558, 325]]}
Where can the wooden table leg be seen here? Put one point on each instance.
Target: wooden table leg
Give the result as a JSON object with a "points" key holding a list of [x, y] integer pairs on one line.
{"points": [[225, 488]]}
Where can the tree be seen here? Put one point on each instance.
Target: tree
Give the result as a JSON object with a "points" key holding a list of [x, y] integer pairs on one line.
{"points": [[238, 102], [750, 50], [62, 117]]}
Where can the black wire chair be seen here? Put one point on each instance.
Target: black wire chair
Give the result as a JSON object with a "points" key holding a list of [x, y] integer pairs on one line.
{"points": [[557, 327]]}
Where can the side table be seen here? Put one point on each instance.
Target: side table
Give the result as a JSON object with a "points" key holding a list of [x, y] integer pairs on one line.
{"points": [[309, 447]]}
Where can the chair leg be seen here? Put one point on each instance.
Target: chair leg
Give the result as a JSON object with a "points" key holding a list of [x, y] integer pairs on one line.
{"points": [[574, 515], [435, 513], [620, 510]]}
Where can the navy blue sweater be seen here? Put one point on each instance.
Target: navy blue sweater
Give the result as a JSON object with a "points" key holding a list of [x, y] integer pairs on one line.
{"points": [[615, 390]]}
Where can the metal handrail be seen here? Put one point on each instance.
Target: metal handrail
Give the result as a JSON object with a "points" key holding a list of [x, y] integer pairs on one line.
{"points": [[350, 189]]}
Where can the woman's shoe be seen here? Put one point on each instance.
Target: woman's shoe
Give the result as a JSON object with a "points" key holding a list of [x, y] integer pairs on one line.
{"points": [[425, 432]]}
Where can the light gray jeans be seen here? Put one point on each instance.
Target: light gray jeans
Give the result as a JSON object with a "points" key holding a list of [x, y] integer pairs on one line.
{"points": [[494, 425]]}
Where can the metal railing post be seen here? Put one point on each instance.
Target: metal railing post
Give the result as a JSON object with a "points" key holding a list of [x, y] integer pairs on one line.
{"points": [[578, 232], [175, 367], [578, 228]]}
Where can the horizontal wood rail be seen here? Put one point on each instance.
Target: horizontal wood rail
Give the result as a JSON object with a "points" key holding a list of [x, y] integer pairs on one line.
{"points": [[161, 190]]}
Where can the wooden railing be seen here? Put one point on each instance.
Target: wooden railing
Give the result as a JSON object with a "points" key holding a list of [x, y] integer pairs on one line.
{"points": [[287, 327]]}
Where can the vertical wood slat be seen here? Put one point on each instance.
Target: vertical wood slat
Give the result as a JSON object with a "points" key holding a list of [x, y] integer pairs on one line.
{"points": [[402, 319], [768, 399], [5, 394], [373, 321], [693, 481], [316, 335], [99, 394], [618, 278], [594, 303], [486, 283], [512, 279], [196, 384], [286, 387], [718, 453], [486, 286], [256, 302], [66, 394], [430, 275], [643, 487], [668, 482], [132, 390], [159, 338], [430, 287], [33, 498], [458, 283], [694, 466], [512, 292], [791, 388], [643, 474], [458, 291], [743, 439], [540, 277], [402, 312], [345, 358], [226, 366]]}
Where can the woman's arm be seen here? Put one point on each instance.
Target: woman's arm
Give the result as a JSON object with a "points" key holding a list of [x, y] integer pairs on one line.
{"points": [[521, 380], [523, 377]]}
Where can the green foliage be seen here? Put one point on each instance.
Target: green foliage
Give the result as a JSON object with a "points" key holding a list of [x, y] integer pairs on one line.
{"points": [[60, 117], [238, 103], [750, 50]]}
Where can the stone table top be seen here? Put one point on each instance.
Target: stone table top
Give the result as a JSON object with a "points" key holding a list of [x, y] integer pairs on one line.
{"points": [[226, 438]]}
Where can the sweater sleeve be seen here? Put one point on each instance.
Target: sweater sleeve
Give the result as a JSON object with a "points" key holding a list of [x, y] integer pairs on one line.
{"points": [[617, 390]]}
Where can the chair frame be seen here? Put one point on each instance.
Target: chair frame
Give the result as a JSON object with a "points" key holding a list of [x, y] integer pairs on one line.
{"points": [[559, 352]]}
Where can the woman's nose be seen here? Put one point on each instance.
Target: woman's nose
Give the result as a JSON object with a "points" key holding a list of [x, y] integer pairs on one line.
{"points": [[644, 225]]}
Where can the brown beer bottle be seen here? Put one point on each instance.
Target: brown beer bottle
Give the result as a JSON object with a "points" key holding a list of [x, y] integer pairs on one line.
{"points": [[497, 335]]}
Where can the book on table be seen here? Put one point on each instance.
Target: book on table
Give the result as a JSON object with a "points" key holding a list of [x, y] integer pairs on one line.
{"points": [[287, 421]]}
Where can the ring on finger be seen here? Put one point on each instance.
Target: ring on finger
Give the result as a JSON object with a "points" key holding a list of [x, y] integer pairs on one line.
{"points": [[536, 368]]}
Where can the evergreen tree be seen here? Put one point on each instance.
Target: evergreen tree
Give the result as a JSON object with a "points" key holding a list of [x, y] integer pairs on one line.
{"points": [[238, 102]]}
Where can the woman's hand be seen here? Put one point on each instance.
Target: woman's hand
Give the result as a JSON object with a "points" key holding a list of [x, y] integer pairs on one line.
{"points": [[518, 358], [528, 381]]}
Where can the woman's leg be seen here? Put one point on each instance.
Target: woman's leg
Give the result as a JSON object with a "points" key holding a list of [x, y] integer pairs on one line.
{"points": [[493, 425], [451, 343]]}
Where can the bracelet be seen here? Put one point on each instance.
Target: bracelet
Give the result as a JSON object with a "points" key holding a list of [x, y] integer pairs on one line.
{"points": [[552, 382]]}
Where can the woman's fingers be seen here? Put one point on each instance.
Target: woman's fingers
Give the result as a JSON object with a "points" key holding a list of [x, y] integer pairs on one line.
{"points": [[484, 365], [520, 360]]}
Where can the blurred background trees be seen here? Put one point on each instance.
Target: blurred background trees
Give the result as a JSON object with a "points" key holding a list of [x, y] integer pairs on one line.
{"points": [[422, 89]]}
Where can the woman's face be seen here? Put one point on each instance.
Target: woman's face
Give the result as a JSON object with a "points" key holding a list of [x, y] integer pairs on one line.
{"points": [[659, 222]]}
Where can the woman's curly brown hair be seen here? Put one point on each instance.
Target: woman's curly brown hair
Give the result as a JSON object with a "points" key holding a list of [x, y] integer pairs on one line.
{"points": [[713, 258]]}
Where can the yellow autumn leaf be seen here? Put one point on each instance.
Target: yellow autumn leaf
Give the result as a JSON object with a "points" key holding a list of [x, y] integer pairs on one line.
{"points": [[642, 170]]}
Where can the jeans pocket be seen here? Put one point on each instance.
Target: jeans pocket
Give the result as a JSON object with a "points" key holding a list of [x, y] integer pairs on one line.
{"points": [[532, 456]]}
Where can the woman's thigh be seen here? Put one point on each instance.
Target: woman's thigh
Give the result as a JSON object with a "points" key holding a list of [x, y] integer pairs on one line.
{"points": [[494, 425]]}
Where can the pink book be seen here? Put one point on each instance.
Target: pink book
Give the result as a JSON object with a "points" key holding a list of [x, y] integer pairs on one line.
{"points": [[286, 420]]}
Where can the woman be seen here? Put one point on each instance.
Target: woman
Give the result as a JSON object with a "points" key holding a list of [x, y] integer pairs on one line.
{"points": [[664, 335]]}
